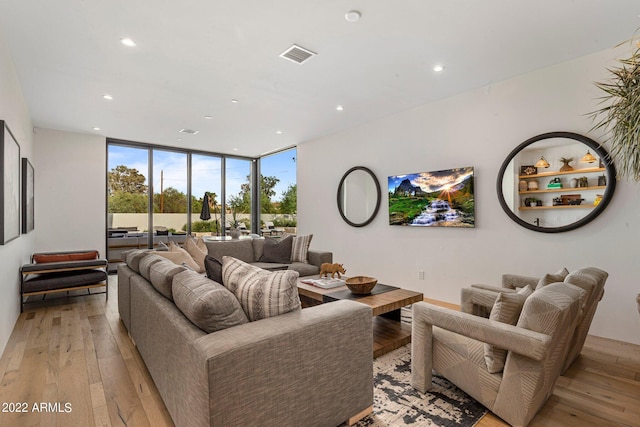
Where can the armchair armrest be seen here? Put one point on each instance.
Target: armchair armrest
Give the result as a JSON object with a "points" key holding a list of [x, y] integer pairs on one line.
{"points": [[514, 281], [317, 258], [493, 288], [528, 343], [478, 302]]}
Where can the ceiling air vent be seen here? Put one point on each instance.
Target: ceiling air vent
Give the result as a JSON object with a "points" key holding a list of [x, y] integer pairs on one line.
{"points": [[297, 54], [189, 131]]}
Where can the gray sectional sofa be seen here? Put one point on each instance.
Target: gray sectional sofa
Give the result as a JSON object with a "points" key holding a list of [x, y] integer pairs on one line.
{"points": [[310, 367], [252, 250]]}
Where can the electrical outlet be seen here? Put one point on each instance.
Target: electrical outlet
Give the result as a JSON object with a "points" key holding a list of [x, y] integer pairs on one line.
{"points": [[421, 274]]}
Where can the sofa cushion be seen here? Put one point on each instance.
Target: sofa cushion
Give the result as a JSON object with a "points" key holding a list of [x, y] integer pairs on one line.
{"points": [[261, 293], [239, 249], [147, 262], [277, 250], [304, 269], [133, 258], [300, 248], [213, 267], [196, 253], [161, 276], [547, 279], [207, 304], [506, 309]]}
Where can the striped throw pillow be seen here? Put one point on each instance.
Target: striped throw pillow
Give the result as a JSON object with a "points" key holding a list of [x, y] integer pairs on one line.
{"points": [[506, 309], [300, 248], [261, 293]]}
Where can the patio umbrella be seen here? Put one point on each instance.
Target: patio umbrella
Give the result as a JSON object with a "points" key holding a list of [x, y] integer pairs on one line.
{"points": [[205, 214]]}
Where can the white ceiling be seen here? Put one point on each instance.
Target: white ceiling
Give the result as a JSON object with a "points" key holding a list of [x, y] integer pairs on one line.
{"points": [[193, 56]]}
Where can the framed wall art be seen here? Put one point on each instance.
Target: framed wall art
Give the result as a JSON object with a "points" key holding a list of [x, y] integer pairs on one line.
{"points": [[433, 199], [28, 210], [10, 186]]}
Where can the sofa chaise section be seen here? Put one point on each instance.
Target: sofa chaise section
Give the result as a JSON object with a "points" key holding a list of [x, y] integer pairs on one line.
{"points": [[309, 367]]}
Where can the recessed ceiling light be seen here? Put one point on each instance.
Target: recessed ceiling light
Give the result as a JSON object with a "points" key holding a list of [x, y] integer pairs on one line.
{"points": [[279, 132], [96, 128], [235, 149], [235, 101], [438, 68], [107, 96], [340, 108], [352, 16], [127, 42], [208, 117]]}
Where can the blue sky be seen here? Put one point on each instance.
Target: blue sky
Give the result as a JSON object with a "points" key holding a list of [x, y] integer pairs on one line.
{"points": [[206, 169]]}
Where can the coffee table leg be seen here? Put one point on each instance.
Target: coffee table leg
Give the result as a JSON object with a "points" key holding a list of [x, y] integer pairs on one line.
{"points": [[392, 315]]}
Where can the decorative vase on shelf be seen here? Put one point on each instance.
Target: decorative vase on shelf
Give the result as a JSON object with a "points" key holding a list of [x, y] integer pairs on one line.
{"points": [[573, 183], [566, 167], [522, 185]]}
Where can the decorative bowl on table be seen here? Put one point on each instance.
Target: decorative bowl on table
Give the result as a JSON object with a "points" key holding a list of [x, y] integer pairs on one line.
{"points": [[361, 285]]}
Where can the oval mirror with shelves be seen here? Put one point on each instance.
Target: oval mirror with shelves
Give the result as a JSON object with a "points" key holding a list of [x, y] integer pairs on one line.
{"points": [[358, 196], [553, 183]]}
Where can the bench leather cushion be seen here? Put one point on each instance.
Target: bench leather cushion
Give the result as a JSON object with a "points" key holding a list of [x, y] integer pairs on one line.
{"points": [[66, 279]]}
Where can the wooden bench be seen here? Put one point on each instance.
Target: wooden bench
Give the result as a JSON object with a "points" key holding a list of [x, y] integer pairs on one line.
{"points": [[51, 272]]}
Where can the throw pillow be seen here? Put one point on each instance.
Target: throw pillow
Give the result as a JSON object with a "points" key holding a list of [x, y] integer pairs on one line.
{"points": [[526, 291], [213, 268], [547, 279], [278, 251], [507, 310], [300, 248], [180, 257], [200, 243], [261, 293], [162, 247], [208, 305], [196, 253]]}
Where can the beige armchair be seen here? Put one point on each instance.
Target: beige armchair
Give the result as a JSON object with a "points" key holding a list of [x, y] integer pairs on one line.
{"points": [[453, 344], [478, 299]]}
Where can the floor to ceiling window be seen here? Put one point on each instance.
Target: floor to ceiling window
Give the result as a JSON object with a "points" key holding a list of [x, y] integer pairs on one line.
{"points": [[157, 194], [278, 189], [238, 200], [170, 190], [128, 189], [206, 188]]}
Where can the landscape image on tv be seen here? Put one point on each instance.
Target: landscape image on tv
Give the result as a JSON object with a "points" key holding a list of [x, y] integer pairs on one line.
{"points": [[433, 199]]}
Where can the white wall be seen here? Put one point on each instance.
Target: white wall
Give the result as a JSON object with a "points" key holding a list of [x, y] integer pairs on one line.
{"points": [[479, 129], [70, 191], [13, 110]]}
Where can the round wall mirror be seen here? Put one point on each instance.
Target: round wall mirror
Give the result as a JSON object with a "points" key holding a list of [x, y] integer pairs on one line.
{"points": [[555, 182], [358, 196]]}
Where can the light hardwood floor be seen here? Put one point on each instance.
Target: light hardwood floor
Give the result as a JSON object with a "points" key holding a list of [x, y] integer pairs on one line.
{"points": [[76, 351]]}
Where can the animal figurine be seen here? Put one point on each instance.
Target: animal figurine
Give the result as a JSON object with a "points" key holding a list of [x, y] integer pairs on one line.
{"points": [[327, 268]]}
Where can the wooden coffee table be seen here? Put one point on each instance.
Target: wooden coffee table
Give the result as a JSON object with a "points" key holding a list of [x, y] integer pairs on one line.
{"points": [[388, 332]]}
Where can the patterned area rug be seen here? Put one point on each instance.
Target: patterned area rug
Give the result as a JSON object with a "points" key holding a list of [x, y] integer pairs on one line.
{"points": [[396, 403]]}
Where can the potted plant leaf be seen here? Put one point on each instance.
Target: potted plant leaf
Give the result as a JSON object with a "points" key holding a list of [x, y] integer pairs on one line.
{"points": [[619, 116]]}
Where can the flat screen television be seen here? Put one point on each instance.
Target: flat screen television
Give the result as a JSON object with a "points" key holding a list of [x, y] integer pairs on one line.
{"points": [[433, 199]]}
